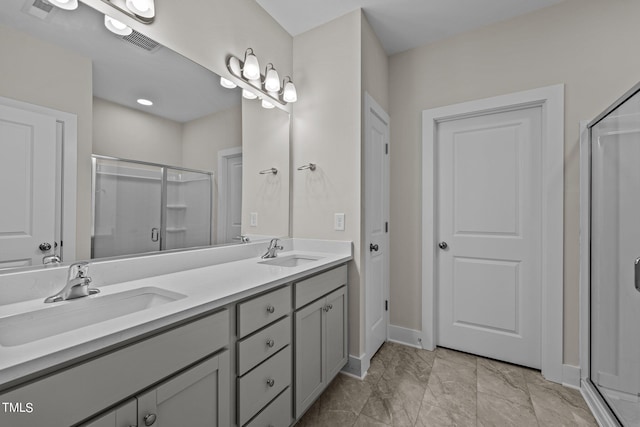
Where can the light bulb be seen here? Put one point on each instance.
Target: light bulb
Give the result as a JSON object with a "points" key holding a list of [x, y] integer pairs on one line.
{"points": [[251, 69], [65, 4], [248, 94], [116, 26], [227, 83], [290, 94], [266, 104], [272, 80], [144, 8], [144, 102]]}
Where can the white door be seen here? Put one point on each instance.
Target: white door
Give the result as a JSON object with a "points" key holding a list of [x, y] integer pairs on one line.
{"points": [[376, 223], [27, 186], [229, 195], [488, 229]]}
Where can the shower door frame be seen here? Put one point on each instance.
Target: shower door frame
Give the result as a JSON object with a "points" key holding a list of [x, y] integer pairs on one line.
{"points": [[163, 198], [596, 402]]}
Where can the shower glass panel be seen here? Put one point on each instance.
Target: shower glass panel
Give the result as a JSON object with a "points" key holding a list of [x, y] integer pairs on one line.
{"points": [[615, 264], [188, 209], [142, 207], [127, 199]]}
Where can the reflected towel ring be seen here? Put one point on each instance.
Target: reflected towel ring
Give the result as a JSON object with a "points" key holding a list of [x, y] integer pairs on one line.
{"points": [[310, 166], [270, 170]]}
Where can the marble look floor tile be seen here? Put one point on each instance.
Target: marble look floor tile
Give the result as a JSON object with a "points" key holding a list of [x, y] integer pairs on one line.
{"points": [[345, 393], [503, 380], [364, 421], [452, 390], [559, 406], [375, 371], [457, 358], [398, 408], [433, 416], [498, 411]]}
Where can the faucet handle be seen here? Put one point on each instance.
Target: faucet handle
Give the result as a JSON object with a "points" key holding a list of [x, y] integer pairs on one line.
{"points": [[79, 270]]}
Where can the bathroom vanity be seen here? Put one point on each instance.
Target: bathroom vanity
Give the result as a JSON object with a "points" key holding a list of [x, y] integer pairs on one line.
{"points": [[247, 342]]}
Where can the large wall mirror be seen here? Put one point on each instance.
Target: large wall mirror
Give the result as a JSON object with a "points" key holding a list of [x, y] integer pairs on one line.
{"points": [[183, 172]]}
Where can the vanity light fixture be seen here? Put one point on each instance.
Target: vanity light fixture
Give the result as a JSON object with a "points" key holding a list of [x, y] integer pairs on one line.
{"points": [[144, 8], [144, 102], [116, 27], [227, 83], [251, 68], [289, 93], [271, 79], [65, 4]]}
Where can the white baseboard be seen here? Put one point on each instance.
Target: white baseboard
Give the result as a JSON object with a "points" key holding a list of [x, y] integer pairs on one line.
{"points": [[571, 376], [356, 366], [405, 336]]}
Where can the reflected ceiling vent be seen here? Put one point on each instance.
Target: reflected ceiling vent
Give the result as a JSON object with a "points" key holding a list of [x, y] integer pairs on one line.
{"points": [[41, 9], [142, 41]]}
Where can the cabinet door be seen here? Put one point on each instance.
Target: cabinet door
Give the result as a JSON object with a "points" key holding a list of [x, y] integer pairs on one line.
{"points": [[197, 397], [336, 352], [123, 416], [309, 355]]}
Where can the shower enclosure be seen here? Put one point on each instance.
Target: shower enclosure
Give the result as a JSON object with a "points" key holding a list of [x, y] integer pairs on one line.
{"points": [[144, 207], [614, 353]]}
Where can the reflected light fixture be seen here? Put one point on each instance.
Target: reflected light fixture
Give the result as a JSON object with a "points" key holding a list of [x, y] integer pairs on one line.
{"points": [[227, 83], [65, 4], [271, 79], [116, 26], [144, 102], [248, 94], [251, 68], [289, 93], [266, 104]]}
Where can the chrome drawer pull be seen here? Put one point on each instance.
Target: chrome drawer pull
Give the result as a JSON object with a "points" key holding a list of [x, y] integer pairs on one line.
{"points": [[149, 419], [270, 343], [271, 309], [271, 382]]}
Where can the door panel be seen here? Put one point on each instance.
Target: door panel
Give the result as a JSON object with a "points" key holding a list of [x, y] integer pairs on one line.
{"points": [[336, 318], [234, 197], [489, 173], [309, 336], [27, 180]]}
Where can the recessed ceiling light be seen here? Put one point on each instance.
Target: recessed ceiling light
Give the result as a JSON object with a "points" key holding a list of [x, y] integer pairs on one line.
{"points": [[145, 102]]}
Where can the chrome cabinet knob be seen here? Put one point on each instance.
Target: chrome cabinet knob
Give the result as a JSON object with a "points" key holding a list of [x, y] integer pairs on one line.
{"points": [[270, 343], [271, 382], [271, 309], [330, 306], [443, 245], [149, 419]]}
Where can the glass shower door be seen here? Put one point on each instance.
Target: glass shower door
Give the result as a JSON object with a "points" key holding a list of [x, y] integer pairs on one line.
{"points": [[615, 260]]}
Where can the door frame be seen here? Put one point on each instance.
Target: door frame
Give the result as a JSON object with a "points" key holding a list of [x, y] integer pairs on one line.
{"points": [[223, 157], [551, 100], [68, 193], [372, 107]]}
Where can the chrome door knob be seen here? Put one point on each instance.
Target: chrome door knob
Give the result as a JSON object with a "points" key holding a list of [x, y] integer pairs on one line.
{"points": [[44, 247], [443, 245], [373, 248]]}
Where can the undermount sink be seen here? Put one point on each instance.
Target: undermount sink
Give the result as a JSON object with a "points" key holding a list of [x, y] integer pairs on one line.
{"points": [[35, 325], [290, 260]]}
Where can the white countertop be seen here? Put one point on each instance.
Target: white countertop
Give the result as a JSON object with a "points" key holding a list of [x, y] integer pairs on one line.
{"points": [[205, 289]]}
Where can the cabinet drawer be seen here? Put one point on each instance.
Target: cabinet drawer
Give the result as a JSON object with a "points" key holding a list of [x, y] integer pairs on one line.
{"points": [[263, 344], [315, 287], [90, 387], [262, 310], [277, 414], [254, 389]]}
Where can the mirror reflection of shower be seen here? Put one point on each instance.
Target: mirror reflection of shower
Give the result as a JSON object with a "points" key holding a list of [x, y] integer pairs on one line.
{"points": [[143, 207]]}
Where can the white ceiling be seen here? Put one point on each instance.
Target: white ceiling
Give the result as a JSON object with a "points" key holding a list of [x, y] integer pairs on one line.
{"points": [[402, 24]]}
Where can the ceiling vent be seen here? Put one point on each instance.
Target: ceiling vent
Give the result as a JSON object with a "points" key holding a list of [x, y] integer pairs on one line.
{"points": [[142, 41], [41, 9]]}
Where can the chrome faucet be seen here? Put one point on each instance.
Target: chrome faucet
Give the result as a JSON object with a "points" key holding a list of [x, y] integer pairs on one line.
{"points": [[271, 250], [77, 284]]}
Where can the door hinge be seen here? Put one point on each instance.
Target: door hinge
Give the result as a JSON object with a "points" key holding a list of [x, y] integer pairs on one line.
{"points": [[386, 226], [386, 148], [386, 305]]}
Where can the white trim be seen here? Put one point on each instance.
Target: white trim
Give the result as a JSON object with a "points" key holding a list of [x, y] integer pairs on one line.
{"points": [[223, 156], [405, 336], [357, 366], [585, 174], [571, 376], [70, 170], [600, 411], [372, 107], [551, 99]]}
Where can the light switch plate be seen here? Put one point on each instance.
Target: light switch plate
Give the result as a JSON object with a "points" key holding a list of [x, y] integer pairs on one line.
{"points": [[253, 221], [338, 222]]}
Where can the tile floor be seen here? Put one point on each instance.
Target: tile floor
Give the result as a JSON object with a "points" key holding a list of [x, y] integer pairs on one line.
{"points": [[412, 387]]}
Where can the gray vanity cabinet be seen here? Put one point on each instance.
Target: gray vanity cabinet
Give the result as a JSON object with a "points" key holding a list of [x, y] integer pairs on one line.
{"points": [[125, 415], [320, 335]]}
